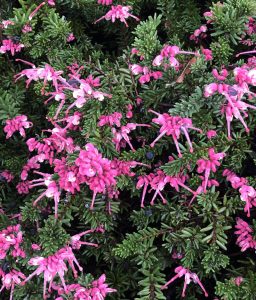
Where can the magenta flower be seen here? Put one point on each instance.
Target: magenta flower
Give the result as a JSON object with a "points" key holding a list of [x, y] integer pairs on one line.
{"points": [[247, 193], [118, 12], [211, 133], [23, 187], [17, 124], [26, 28], [113, 119], [9, 45], [105, 2], [207, 54], [75, 239], [7, 175], [50, 2], [10, 239], [122, 134], [11, 279], [189, 276], [54, 265], [70, 37], [245, 238], [6, 23], [209, 165], [174, 126]]}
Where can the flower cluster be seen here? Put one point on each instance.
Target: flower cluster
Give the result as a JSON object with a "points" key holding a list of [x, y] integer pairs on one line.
{"points": [[173, 126], [9, 280], [167, 56], [54, 265], [145, 73], [118, 12], [189, 276], [199, 34], [17, 124], [98, 290], [245, 239], [10, 240], [209, 165], [10, 45], [247, 192], [7, 175], [234, 107]]}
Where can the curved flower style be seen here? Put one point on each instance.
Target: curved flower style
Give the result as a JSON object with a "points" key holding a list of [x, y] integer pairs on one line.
{"points": [[247, 192], [9, 280], [118, 12], [209, 165], [54, 265], [173, 126], [189, 276], [98, 290]]}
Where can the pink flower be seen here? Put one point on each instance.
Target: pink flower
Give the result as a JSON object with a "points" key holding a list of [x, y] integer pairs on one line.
{"points": [[207, 54], [189, 276], [222, 76], [173, 126], [75, 239], [7, 175], [26, 28], [113, 119], [9, 45], [11, 279], [71, 37], [118, 12], [17, 124], [209, 165], [122, 134], [50, 2], [10, 239], [211, 133], [35, 247], [6, 23], [210, 89], [238, 280], [245, 238], [23, 187], [105, 2], [54, 265]]}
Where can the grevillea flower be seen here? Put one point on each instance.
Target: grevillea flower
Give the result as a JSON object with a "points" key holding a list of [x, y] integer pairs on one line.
{"points": [[9, 280], [98, 172], [26, 28], [209, 165], [113, 119], [247, 192], [6, 23], [50, 2], [118, 12], [23, 187], [189, 276], [70, 37], [54, 265], [167, 56], [105, 2], [211, 134], [122, 134], [7, 175], [9, 45], [75, 239], [17, 124], [207, 54], [245, 239], [174, 126], [98, 290], [10, 239], [220, 76], [52, 190]]}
